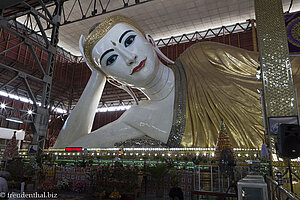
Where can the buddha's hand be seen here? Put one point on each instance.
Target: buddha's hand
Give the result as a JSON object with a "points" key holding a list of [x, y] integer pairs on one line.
{"points": [[81, 42]]}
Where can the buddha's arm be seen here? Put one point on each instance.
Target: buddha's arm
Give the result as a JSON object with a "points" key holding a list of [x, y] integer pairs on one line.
{"points": [[108, 135], [80, 121]]}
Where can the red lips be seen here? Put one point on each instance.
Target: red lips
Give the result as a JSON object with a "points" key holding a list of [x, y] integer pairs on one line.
{"points": [[139, 67]]}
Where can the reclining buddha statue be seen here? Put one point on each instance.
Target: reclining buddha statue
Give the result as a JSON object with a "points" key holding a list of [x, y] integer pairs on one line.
{"points": [[186, 100]]}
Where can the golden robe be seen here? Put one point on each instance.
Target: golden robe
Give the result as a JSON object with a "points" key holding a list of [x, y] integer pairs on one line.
{"points": [[221, 84]]}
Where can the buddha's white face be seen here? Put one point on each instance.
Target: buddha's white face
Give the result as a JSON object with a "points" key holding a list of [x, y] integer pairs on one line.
{"points": [[124, 54]]}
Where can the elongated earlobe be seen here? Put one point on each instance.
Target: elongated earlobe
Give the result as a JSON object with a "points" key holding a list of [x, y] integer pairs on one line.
{"points": [[158, 52], [123, 86]]}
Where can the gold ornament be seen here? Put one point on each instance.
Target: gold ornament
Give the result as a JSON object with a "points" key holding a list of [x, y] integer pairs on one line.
{"points": [[223, 142]]}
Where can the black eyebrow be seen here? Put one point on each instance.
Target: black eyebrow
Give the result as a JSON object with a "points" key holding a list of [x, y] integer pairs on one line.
{"points": [[124, 35], [106, 52]]}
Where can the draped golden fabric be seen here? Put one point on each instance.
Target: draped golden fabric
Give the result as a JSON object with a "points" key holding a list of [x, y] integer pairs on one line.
{"points": [[221, 83]]}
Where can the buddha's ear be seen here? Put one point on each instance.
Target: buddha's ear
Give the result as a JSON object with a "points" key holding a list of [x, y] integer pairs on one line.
{"points": [[158, 52], [150, 40]]}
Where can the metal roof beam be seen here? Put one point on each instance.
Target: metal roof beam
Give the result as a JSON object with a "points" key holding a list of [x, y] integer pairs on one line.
{"points": [[100, 7]]}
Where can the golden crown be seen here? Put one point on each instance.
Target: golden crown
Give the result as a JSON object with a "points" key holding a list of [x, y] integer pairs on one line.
{"points": [[100, 30]]}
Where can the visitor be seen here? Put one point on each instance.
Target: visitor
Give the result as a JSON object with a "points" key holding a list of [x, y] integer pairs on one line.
{"points": [[176, 193], [3, 184]]}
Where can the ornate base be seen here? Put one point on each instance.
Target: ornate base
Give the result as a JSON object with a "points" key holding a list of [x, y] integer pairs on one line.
{"points": [[145, 142]]}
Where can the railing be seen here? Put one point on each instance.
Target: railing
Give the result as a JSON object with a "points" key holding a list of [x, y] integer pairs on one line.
{"points": [[277, 191], [211, 177], [219, 195]]}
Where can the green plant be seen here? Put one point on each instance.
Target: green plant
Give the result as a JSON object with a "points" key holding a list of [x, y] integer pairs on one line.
{"points": [[117, 177], [16, 168], [174, 178], [47, 185], [78, 186], [63, 184], [158, 173], [29, 170]]}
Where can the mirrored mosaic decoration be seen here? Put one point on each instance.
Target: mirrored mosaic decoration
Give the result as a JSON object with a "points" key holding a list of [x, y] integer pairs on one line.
{"points": [[278, 85]]}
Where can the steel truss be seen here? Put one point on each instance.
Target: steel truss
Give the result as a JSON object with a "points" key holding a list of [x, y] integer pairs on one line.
{"points": [[92, 8], [17, 115], [86, 9], [202, 35], [24, 35]]}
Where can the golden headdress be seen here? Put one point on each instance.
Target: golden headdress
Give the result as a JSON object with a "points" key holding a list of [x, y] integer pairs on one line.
{"points": [[101, 30]]}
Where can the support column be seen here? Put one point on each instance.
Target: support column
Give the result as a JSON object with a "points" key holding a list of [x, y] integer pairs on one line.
{"points": [[279, 95], [41, 121], [254, 40], [41, 19]]}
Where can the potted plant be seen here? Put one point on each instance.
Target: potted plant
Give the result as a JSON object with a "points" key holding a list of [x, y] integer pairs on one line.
{"points": [[62, 184], [98, 178], [129, 183], [78, 186], [115, 195], [29, 172], [16, 169], [175, 190], [47, 185], [157, 174], [174, 178]]}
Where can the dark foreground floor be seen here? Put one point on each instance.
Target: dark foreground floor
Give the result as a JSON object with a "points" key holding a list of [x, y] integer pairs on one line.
{"points": [[85, 196]]}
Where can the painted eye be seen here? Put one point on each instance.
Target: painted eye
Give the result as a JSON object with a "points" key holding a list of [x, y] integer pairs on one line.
{"points": [[111, 59], [129, 40]]}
